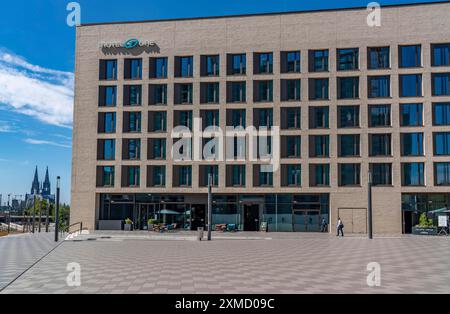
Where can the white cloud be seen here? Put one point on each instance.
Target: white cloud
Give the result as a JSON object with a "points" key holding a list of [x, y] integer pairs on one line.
{"points": [[44, 142], [6, 127], [42, 93]]}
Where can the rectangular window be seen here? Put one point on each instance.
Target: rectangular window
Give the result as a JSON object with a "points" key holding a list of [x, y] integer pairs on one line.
{"points": [[107, 96], [291, 118], [106, 149], [319, 117], [379, 86], [107, 122], [263, 118], [210, 65], [411, 144], [131, 176], [133, 69], [263, 63], [182, 176], [381, 174], [319, 175], [290, 90], [441, 141], [318, 88], [291, 175], [236, 92], [132, 95], [440, 84], [156, 149], [348, 87], [184, 66], [380, 145], [236, 176], [210, 118], [262, 178], [379, 116], [131, 122], [158, 68], [440, 55], [156, 176], [349, 174], [183, 118], [105, 176], [411, 115], [263, 91], [319, 146], [183, 94], [206, 172], [349, 145], [410, 56], [236, 118], [157, 121], [413, 174], [348, 116], [157, 94], [348, 59], [441, 114], [131, 149], [209, 93], [442, 173], [108, 70], [237, 64], [291, 146], [290, 62], [410, 85], [378, 58], [318, 60]]}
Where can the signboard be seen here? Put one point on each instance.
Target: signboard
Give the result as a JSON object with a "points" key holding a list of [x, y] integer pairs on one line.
{"points": [[128, 44], [442, 221]]}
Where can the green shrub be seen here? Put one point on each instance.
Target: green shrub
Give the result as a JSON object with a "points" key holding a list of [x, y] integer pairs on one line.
{"points": [[424, 222], [128, 221]]}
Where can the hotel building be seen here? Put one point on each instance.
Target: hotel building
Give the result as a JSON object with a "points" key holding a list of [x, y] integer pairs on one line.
{"points": [[348, 98]]}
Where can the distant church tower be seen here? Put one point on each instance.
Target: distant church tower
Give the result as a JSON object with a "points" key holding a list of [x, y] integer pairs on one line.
{"points": [[46, 188], [35, 185]]}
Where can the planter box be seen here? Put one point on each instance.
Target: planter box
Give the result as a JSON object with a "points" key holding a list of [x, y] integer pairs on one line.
{"points": [[128, 227], [425, 231]]}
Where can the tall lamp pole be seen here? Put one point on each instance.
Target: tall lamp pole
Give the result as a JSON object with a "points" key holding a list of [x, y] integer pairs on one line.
{"points": [[9, 215], [210, 183], [370, 222], [34, 211], [47, 212], [58, 179]]}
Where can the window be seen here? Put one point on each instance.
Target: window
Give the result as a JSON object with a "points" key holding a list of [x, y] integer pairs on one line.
{"points": [[410, 56], [411, 144], [291, 118], [348, 87], [291, 175], [107, 122], [348, 116], [263, 91], [107, 96], [381, 174], [441, 114], [440, 55], [209, 118], [184, 66], [210, 65], [263, 63], [380, 145], [236, 118], [108, 70], [262, 178], [131, 122], [131, 176], [379, 116], [263, 118], [209, 93], [206, 172], [156, 176], [349, 174], [319, 175], [441, 142], [349, 145], [440, 84], [411, 85], [318, 60], [157, 121], [183, 94], [183, 118], [105, 176], [319, 118], [290, 62], [156, 149], [157, 94], [132, 95], [158, 68], [411, 114], [442, 173], [347, 59], [133, 69], [291, 146], [290, 90], [378, 58], [319, 146], [131, 149], [413, 174], [379, 86], [318, 89], [236, 176], [106, 149], [182, 176], [237, 64], [236, 92]]}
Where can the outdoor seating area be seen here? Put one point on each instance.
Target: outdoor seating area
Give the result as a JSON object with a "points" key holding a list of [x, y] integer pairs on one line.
{"points": [[226, 228]]}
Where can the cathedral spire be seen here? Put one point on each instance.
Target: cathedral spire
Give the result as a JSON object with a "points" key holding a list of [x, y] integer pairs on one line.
{"points": [[46, 188], [35, 184]]}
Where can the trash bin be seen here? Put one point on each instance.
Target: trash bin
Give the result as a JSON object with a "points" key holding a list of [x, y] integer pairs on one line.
{"points": [[200, 233]]}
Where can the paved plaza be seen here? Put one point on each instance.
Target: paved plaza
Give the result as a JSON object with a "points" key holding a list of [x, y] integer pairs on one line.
{"points": [[250, 264]]}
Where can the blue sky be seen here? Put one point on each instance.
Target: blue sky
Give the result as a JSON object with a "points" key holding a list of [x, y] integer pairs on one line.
{"points": [[37, 62]]}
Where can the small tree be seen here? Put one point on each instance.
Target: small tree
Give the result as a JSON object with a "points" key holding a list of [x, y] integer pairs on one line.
{"points": [[424, 222]]}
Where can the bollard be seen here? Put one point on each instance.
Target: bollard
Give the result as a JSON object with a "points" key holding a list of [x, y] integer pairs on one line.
{"points": [[200, 233]]}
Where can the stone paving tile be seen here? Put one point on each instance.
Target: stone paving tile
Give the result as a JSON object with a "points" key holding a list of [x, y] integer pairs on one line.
{"points": [[303, 265]]}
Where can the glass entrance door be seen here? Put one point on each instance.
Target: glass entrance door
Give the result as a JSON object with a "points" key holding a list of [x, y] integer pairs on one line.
{"points": [[306, 220]]}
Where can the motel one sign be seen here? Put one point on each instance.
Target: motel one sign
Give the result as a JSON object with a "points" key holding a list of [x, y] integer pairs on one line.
{"points": [[129, 44]]}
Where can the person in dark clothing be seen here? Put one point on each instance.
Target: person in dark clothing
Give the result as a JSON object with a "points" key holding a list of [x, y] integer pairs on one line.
{"points": [[340, 227], [323, 225]]}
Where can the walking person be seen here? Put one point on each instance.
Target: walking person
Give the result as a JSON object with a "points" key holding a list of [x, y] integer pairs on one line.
{"points": [[340, 228], [323, 225]]}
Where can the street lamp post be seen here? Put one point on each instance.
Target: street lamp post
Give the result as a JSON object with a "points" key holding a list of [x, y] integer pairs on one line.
{"points": [[210, 183], [40, 216], [9, 215], [370, 222], [33, 220], [47, 212], [58, 179]]}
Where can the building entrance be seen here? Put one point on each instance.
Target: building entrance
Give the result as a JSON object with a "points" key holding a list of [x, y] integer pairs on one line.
{"points": [[251, 218], [306, 220]]}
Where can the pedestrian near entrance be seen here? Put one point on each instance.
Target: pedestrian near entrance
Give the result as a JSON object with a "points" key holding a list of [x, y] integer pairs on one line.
{"points": [[340, 227], [323, 225]]}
